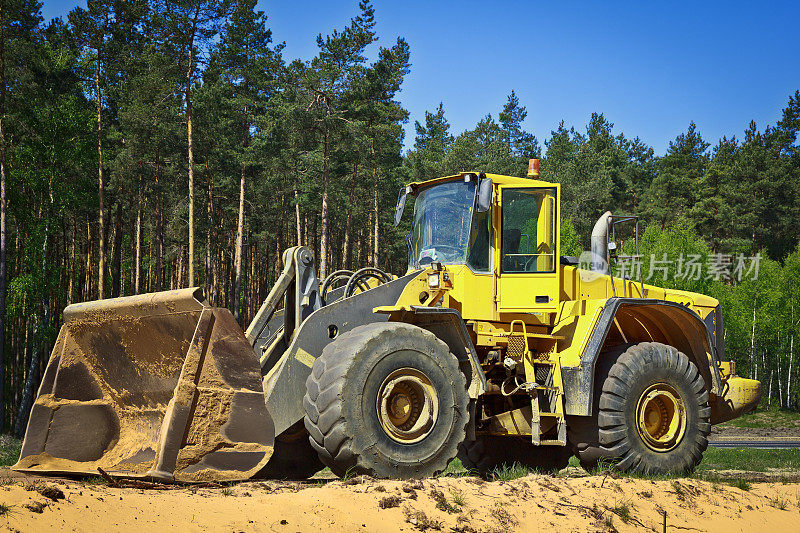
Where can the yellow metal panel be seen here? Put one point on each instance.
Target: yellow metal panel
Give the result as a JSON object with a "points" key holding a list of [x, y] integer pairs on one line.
{"points": [[575, 322], [472, 293], [740, 396], [518, 291]]}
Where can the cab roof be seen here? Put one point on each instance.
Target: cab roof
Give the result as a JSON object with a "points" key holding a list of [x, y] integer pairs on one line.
{"points": [[497, 179]]}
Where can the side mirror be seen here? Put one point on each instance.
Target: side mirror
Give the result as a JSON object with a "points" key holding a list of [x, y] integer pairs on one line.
{"points": [[483, 202], [612, 249], [401, 205]]}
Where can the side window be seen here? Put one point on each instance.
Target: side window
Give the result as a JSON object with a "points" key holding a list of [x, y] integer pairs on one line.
{"points": [[528, 230], [479, 242]]}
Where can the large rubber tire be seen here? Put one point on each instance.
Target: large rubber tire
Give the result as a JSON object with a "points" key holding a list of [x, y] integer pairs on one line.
{"points": [[342, 394], [293, 457], [489, 452], [613, 433], [583, 431]]}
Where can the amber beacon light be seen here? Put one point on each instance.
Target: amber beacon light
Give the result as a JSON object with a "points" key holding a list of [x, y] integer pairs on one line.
{"points": [[533, 168]]}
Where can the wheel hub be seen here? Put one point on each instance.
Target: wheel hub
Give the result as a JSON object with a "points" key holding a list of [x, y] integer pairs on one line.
{"points": [[661, 417], [407, 405]]}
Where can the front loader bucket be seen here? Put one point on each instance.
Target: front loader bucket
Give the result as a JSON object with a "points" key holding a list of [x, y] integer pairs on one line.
{"points": [[153, 386]]}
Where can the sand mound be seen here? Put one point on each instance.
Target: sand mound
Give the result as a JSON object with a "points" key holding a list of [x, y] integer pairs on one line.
{"points": [[466, 504]]}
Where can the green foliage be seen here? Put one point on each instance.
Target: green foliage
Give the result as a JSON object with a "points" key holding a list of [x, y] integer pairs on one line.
{"points": [[675, 258], [432, 142], [570, 241], [673, 191], [598, 171], [9, 450]]}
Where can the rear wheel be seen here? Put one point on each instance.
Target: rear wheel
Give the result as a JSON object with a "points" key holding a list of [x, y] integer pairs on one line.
{"points": [[490, 452], [652, 415], [387, 400]]}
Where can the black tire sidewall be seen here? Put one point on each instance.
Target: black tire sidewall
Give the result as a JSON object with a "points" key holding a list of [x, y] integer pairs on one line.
{"points": [[652, 374], [387, 456]]}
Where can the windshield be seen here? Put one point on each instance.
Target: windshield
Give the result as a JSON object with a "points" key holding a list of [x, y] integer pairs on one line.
{"points": [[440, 231]]}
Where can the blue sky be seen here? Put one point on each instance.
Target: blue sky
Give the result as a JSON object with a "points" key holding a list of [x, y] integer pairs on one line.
{"points": [[650, 68]]}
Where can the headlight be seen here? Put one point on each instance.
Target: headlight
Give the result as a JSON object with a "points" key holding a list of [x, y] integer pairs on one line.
{"points": [[433, 280]]}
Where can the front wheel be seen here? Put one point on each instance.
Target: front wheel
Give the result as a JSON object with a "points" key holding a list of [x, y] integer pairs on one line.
{"points": [[386, 400], [653, 415]]}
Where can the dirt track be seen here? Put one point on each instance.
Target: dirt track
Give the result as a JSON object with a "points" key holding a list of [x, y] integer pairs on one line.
{"points": [[537, 502]]}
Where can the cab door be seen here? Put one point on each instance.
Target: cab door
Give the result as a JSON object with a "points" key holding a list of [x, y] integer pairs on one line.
{"points": [[529, 277]]}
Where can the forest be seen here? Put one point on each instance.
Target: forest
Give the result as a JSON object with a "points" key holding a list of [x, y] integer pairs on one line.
{"points": [[148, 145]]}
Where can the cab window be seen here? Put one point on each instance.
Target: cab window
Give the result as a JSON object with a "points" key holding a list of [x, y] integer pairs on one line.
{"points": [[479, 242], [528, 227]]}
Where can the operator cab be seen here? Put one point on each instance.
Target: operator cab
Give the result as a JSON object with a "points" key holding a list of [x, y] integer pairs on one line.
{"points": [[447, 228], [490, 224]]}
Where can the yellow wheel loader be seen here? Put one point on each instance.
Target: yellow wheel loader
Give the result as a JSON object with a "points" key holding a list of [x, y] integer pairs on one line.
{"points": [[493, 347]]}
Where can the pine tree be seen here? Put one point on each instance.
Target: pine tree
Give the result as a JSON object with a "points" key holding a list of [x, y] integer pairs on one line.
{"points": [[245, 68], [430, 145], [189, 25], [19, 20], [673, 192], [331, 73]]}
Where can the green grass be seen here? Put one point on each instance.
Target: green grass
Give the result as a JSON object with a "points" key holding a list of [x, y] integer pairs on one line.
{"points": [[509, 472], [766, 419], [714, 459], [9, 450], [749, 459], [778, 502], [455, 469], [458, 498], [741, 484], [623, 511]]}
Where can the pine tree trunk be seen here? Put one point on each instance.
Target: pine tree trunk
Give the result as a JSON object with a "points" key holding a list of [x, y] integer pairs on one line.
{"points": [[375, 230], [297, 213], [71, 284], [359, 248], [237, 276], [251, 294], [89, 246], [101, 254], [190, 140], [159, 281], [138, 238], [175, 282], [753, 364], [351, 199], [116, 256], [39, 340], [376, 257], [323, 245], [210, 278], [3, 208]]}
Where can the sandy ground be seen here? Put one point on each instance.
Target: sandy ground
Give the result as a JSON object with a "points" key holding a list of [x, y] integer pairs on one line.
{"points": [[466, 504]]}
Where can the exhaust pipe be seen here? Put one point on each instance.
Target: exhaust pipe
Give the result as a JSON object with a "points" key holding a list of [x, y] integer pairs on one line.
{"points": [[599, 244]]}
